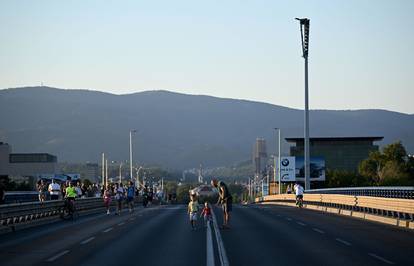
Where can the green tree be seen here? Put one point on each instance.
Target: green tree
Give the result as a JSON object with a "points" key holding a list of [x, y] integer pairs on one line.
{"points": [[395, 152], [392, 166]]}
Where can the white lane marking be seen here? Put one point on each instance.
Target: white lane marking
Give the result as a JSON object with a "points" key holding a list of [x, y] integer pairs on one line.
{"points": [[107, 230], [380, 258], [220, 246], [87, 240], [318, 230], [300, 223], [210, 248], [121, 224], [58, 256], [289, 219], [343, 241], [131, 219], [278, 215]]}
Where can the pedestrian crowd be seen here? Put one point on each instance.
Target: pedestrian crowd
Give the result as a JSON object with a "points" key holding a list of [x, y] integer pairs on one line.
{"points": [[56, 190]]}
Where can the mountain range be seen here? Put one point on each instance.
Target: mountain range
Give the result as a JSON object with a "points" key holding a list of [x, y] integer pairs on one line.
{"points": [[174, 130]]}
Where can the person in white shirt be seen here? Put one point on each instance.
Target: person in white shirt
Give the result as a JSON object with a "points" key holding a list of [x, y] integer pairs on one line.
{"points": [[78, 189], [54, 190], [298, 192], [119, 196]]}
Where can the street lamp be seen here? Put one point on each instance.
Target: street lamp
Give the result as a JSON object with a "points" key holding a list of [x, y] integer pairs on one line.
{"points": [[130, 151], [103, 170], [137, 184], [304, 32], [278, 163]]}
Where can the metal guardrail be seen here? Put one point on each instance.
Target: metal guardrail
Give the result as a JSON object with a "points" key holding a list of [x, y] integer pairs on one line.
{"points": [[380, 206], [19, 213], [384, 192]]}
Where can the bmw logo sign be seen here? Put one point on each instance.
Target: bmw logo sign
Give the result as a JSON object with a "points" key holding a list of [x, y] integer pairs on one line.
{"points": [[285, 162]]}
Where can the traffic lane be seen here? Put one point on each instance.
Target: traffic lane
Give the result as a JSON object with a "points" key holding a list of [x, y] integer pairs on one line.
{"points": [[163, 239], [379, 240], [256, 238], [55, 238]]}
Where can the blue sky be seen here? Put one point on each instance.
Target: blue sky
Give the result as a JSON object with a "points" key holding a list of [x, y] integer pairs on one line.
{"points": [[360, 51]]}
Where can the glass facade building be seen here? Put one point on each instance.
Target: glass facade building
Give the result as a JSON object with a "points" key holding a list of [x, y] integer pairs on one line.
{"points": [[340, 153]]}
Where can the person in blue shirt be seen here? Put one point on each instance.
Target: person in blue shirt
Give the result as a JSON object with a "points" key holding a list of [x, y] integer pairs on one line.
{"points": [[130, 196]]}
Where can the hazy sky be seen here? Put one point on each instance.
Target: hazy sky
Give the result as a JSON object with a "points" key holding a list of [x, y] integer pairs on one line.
{"points": [[361, 52]]}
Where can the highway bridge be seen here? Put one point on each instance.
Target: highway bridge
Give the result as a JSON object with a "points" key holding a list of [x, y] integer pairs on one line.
{"points": [[274, 233]]}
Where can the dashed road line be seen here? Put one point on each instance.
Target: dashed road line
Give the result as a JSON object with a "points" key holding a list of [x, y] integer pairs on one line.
{"points": [[52, 259], [343, 241], [300, 223], [121, 224], [107, 230], [289, 219], [87, 240], [380, 258], [131, 219], [318, 230], [210, 247]]}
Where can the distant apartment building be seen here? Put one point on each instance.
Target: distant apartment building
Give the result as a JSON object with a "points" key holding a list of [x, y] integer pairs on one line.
{"points": [[91, 172], [340, 153], [259, 156], [18, 165]]}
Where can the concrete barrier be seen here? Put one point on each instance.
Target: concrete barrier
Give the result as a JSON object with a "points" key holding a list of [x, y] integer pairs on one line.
{"points": [[394, 211]]}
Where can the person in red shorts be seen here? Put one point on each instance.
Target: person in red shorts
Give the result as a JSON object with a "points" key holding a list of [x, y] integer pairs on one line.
{"points": [[206, 212]]}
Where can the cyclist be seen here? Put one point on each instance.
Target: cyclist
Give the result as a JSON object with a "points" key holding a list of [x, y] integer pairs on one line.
{"points": [[70, 196], [299, 194]]}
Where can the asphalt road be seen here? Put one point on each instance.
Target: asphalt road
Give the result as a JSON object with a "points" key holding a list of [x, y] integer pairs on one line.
{"points": [[161, 235]]}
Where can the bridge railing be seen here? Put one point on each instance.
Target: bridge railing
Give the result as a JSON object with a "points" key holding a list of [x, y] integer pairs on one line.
{"points": [[19, 213], [387, 207], [386, 192], [29, 212]]}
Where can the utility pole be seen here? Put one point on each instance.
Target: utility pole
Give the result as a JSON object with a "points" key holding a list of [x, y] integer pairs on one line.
{"points": [[120, 173], [106, 173], [304, 31], [130, 151], [103, 170]]}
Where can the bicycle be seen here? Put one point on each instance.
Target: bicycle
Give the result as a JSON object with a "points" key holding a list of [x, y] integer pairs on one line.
{"points": [[299, 201], [68, 211]]}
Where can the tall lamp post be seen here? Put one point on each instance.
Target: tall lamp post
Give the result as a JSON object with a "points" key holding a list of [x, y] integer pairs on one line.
{"points": [[304, 32], [103, 170], [278, 162], [130, 151]]}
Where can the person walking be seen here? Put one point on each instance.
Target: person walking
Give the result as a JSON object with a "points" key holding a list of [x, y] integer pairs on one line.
{"points": [[41, 189], [225, 199], [78, 189], [289, 189], [206, 213], [119, 196], [107, 199], [192, 211], [54, 190], [130, 196]]}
